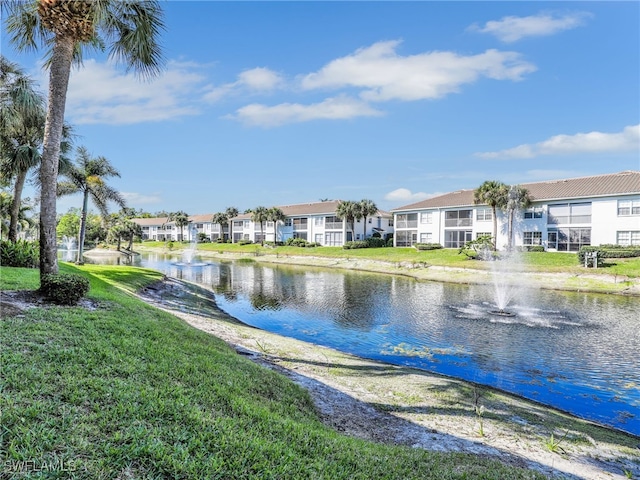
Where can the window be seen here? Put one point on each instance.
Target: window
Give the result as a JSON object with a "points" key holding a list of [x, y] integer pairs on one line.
{"points": [[333, 239], [571, 239], [628, 238], [484, 214], [532, 238], [483, 234], [533, 213], [629, 207], [199, 225], [300, 224], [318, 238], [426, 217], [287, 222], [407, 220], [332, 223], [457, 238], [562, 213], [391, 222], [458, 218], [238, 224], [302, 235], [318, 221], [426, 237], [406, 238]]}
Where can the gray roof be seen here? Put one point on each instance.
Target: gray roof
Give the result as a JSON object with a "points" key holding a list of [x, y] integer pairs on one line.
{"points": [[621, 183]]}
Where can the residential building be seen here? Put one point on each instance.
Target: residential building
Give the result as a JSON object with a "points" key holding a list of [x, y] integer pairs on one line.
{"points": [[315, 222], [564, 216]]}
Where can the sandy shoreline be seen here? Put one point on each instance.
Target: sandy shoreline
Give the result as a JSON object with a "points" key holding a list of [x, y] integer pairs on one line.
{"points": [[390, 404]]}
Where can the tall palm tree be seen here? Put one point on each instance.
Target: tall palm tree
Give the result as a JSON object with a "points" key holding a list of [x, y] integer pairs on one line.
{"points": [[231, 212], [88, 176], [130, 28], [494, 194], [275, 215], [181, 219], [260, 215], [22, 117], [367, 208], [518, 198], [222, 220], [349, 211]]}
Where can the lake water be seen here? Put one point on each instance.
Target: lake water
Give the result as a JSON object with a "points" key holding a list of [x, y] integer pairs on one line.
{"points": [[576, 352]]}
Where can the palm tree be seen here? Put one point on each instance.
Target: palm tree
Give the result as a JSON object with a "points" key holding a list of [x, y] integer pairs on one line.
{"points": [[260, 215], [22, 118], [88, 177], [367, 208], [129, 28], [494, 194], [275, 215], [349, 211], [231, 212], [181, 219], [517, 198], [222, 220]]}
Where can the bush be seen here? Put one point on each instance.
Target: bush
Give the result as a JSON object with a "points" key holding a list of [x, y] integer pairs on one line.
{"points": [[427, 246], [530, 248], [376, 242], [244, 242], [608, 251], [20, 254], [300, 242], [64, 288], [356, 244]]}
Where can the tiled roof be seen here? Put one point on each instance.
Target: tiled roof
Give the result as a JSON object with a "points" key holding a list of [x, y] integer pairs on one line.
{"points": [[203, 218], [150, 222], [301, 209], [622, 183]]}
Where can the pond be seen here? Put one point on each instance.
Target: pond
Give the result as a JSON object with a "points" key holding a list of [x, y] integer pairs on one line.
{"points": [[573, 351]]}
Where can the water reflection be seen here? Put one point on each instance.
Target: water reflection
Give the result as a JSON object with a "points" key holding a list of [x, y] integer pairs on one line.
{"points": [[577, 352]]}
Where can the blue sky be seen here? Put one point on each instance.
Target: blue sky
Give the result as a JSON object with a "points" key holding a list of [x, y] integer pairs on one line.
{"points": [[277, 103]]}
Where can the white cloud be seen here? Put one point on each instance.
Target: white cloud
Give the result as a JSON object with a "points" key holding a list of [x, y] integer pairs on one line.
{"points": [[100, 93], [593, 142], [255, 80], [512, 29], [330, 109], [405, 195], [384, 75], [135, 198]]}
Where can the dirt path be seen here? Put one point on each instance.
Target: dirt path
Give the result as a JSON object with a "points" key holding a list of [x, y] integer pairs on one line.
{"points": [[399, 405]]}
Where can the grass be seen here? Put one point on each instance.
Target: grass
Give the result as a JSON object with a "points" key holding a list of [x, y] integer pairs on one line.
{"points": [[127, 391], [447, 257]]}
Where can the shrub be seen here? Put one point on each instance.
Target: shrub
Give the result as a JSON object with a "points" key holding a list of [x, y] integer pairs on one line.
{"points": [[64, 288], [356, 244], [244, 242], [376, 242], [608, 251], [20, 254], [427, 246], [300, 242]]}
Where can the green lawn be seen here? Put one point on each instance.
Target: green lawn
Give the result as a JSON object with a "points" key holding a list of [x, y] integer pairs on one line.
{"points": [[531, 261], [127, 391]]}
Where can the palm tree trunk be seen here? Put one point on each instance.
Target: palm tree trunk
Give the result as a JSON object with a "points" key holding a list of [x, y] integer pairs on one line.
{"points": [[61, 59], [83, 226], [495, 229], [15, 205]]}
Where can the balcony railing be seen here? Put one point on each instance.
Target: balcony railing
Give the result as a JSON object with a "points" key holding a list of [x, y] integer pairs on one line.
{"points": [[407, 224], [333, 225], [566, 219], [458, 222]]}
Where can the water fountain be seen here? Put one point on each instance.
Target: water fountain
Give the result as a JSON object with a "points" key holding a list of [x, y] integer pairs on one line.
{"points": [[189, 253], [69, 247], [504, 289]]}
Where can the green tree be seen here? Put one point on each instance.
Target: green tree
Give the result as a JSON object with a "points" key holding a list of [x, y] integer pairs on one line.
{"points": [[221, 219], [231, 213], [518, 198], [275, 215], [349, 211], [367, 208], [494, 194], [260, 215], [87, 176], [66, 27], [181, 219], [69, 224]]}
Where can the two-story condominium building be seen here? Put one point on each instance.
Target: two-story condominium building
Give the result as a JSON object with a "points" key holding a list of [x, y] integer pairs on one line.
{"points": [[315, 222], [564, 215]]}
